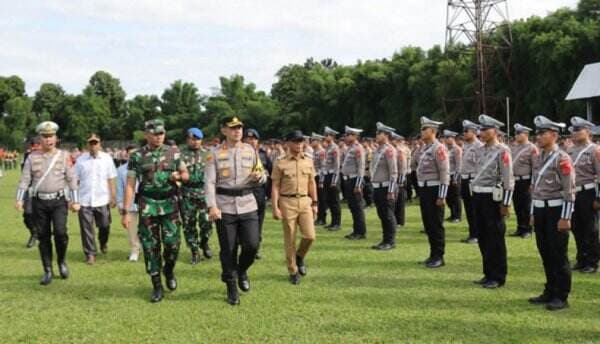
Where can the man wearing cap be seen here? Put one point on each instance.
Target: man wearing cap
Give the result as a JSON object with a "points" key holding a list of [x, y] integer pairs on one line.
{"points": [[553, 200], [294, 199], [158, 168], [403, 166], [233, 170], [433, 175], [455, 159], [467, 172], [319, 161], [353, 173], [194, 212], [367, 186], [330, 184], [384, 177], [492, 188], [96, 173], [28, 215], [586, 161], [523, 154], [47, 174], [260, 192]]}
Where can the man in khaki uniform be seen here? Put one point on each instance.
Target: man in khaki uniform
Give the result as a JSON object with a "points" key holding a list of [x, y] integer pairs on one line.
{"points": [[294, 196]]}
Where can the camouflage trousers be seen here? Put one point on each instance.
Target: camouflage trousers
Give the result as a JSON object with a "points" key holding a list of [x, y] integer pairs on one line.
{"points": [[194, 214], [157, 231]]}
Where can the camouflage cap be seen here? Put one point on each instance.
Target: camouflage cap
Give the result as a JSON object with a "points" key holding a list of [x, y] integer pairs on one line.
{"points": [[154, 126]]}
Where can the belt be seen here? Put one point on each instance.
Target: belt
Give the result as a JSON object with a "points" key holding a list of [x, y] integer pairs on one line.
{"points": [[158, 195], [49, 196], [295, 195], [380, 185], [551, 203], [517, 178], [352, 176], [429, 183], [482, 189], [330, 171], [467, 176], [585, 187], [233, 192]]}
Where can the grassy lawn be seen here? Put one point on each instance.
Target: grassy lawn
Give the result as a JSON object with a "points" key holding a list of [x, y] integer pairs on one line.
{"points": [[352, 293]]}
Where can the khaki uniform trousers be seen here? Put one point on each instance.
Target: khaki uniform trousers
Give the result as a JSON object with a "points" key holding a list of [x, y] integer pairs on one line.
{"points": [[296, 213]]}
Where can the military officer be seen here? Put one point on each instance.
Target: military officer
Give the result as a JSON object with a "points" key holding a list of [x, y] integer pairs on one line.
{"points": [[48, 174], [523, 154], [353, 173], [467, 172], [492, 188], [384, 177], [586, 161], [330, 184], [455, 158], [295, 203], [193, 200], [319, 155], [402, 154], [158, 168], [232, 172], [433, 175], [553, 198]]}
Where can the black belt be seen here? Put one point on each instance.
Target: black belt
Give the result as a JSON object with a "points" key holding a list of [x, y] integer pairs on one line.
{"points": [[158, 195], [294, 195], [233, 192]]}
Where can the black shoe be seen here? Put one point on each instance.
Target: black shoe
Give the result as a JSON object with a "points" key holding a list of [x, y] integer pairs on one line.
{"points": [[104, 249], [469, 240], [301, 266], [577, 266], [516, 234], [334, 228], [349, 236], [481, 281], [170, 277], [63, 270], [46, 277], [384, 247], [195, 258], [426, 261], [525, 235], [539, 300], [244, 283], [455, 220], [31, 242], [435, 263], [295, 279], [157, 289], [233, 298], [206, 251], [557, 304], [588, 269], [491, 284], [320, 223], [358, 237]]}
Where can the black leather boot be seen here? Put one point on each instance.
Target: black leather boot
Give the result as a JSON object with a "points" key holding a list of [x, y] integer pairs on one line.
{"points": [[157, 291], [170, 277], [63, 269], [47, 276], [233, 298], [31, 242], [206, 251]]}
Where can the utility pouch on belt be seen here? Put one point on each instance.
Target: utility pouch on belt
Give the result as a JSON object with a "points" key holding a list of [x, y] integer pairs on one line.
{"points": [[497, 193]]}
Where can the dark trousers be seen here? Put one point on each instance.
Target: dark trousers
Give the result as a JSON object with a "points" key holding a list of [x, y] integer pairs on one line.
{"points": [[522, 203], [414, 182], [88, 216], [400, 206], [467, 199], [322, 207], [261, 201], [433, 220], [233, 231], [332, 198], [385, 211], [553, 246], [585, 228], [492, 245], [453, 200], [356, 205], [367, 191], [51, 219]]}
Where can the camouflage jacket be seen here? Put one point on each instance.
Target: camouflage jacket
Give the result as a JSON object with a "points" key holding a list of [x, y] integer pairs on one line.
{"points": [[195, 161]]}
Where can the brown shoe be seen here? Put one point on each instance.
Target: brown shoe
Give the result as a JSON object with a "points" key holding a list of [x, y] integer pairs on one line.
{"points": [[90, 260]]}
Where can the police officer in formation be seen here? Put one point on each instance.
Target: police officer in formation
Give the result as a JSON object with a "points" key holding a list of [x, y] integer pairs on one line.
{"points": [[467, 171], [455, 160], [49, 177], [553, 201], [403, 154], [319, 155], [353, 174], [433, 175], [586, 161], [492, 188], [523, 155], [330, 183]]}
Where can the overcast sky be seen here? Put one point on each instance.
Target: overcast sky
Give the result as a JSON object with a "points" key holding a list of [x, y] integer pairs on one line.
{"points": [[148, 44]]}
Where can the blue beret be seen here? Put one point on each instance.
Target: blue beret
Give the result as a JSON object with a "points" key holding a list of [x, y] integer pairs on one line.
{"points": [[196, 132]]}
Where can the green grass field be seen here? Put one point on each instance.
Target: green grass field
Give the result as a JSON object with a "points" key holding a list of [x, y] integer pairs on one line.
{"points": [[352, 293]]}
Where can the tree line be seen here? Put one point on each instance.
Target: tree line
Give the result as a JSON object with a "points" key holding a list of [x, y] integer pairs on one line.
{"points": [[546, 56]]}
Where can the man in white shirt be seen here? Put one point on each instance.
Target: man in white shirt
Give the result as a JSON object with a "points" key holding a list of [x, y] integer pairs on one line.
{"points": [[96, 173], [132, 212]]}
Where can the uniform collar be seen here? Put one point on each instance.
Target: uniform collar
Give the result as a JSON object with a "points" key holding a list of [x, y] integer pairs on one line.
{"points": [[295, 157]]}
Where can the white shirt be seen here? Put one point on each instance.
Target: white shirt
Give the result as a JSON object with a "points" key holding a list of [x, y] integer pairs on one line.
{"points": [[93, 174]]}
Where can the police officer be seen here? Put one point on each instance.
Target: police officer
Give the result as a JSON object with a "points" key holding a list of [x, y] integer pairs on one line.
{"points": [[193, 210], [319, 162], [47, 175], [295, 203], [252, 138], [402, 154], [28, 215], [492, 188], [367, 186], [158, 168], [553, 197], [330, 185], [233, 171], [433, 175], [468, 170], [586, 161], [455, 158], [523, 154], [384, 177], [353, 173]]}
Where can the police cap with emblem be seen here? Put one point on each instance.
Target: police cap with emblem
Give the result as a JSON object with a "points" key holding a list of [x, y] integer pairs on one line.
{"points": [[580, 123], [450, 133], [316, 136], [384, 128], [47, 128], [468, 125], [488, 122], [231, 122], [519, 129], [428, 123], [542, 124], [328, 131], [352, 131]]}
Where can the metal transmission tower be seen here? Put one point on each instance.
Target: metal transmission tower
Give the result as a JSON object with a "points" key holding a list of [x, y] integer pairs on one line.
{"points": [[477, 24]]}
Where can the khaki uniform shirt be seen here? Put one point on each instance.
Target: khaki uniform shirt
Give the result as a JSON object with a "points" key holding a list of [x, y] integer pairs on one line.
{"points": [[293, 175]]}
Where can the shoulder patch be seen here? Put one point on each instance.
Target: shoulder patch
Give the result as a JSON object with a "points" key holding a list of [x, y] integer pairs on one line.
{"points": [[535, 151], [442, 153], [505, 158], [565, 165], [597, 153]]}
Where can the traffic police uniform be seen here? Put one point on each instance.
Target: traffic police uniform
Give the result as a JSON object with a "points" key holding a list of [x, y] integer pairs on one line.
{"points": [[319, 162], [467, 172], [49, 178], [331, 171], [453, 198], [523, 156], [492, 187], [403, 166], [353, 173]]}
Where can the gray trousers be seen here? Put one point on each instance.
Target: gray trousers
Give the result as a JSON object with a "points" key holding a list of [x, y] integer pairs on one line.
{"points": [[88, 216]]}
